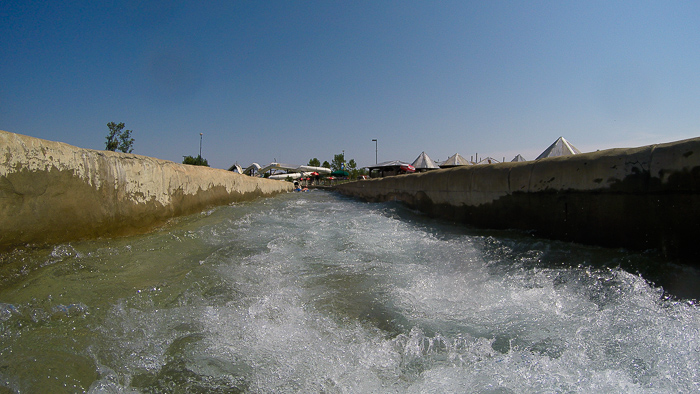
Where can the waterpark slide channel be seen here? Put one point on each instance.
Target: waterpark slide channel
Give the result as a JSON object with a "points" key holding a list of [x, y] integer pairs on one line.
{"points": [[54, 192], [638, 198]]}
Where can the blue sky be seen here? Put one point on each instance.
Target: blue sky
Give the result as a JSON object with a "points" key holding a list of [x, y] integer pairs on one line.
{"points": [[293, 80]]}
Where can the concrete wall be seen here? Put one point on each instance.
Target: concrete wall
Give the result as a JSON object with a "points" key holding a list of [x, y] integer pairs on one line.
{"points": [[639, 198], [54, 192]]}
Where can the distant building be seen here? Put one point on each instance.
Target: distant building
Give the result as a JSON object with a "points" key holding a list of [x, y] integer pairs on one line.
{"points": [[424, 163], [518, 158], [454, 161], [560, 147], [389, 168], [488, 160]]}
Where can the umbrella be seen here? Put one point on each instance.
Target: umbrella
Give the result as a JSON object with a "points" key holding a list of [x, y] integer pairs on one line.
{"points": [[314, 173]]}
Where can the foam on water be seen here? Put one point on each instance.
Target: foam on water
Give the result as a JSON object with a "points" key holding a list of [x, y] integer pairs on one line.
{"points": [[313, 292]]}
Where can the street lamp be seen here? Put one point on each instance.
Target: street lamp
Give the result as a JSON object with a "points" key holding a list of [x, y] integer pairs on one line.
{"points": [[375, 151], [200, 144]]}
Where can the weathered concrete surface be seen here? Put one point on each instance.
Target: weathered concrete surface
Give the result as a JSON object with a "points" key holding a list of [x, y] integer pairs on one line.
{"points": [[54, 192], [639, 198]]}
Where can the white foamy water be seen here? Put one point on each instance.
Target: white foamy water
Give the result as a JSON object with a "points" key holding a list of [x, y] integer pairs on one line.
{"points": [[314, 292]]}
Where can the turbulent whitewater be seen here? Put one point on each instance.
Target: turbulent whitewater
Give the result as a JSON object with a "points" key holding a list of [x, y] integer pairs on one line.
{"points": [[315, 292]]}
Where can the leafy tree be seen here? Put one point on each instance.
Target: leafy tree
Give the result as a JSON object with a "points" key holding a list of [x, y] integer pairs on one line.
{"points": [[127, 143], [338, 162], [195, 161], [118, 138], [355, 173], [314, 162], [351, 168], [325, 164], [113, 137]]}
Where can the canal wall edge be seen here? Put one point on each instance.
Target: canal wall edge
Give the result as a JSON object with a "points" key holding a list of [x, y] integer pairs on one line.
{"points": [[54, 192], [638, 198]]}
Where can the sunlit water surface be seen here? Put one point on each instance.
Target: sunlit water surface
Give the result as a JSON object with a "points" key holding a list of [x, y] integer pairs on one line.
{"points": [[314, 292]]}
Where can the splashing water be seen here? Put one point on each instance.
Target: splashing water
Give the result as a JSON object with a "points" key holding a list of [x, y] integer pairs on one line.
{"points": [[314, 292]]}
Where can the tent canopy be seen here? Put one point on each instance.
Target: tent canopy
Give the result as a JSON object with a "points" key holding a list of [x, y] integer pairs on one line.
{"points": [[488, 160], [455, 160], [560, 147], [392, 163], [424, 162]]}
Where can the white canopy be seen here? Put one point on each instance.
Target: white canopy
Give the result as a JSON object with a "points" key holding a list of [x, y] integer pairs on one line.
{"points": [[560, 147], [424, 162], [455, 160]]}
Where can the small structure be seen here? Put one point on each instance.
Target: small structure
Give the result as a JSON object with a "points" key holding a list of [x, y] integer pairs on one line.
{"points": [[274, 169], [454, 161], [488, 160], [236, 168], [518, 158], [424, 163], [560, 147], [389, 168], [340, 174]]}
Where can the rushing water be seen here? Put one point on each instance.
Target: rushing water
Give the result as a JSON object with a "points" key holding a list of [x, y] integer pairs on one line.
{"points": [[314, 292]]}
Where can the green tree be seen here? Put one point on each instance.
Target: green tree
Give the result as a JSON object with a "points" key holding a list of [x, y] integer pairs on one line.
{"points": [[127, 143], [195, 161], [118, 138], [314, 162], [354, 174], [338, 162], [325, 164], [351, 168]]}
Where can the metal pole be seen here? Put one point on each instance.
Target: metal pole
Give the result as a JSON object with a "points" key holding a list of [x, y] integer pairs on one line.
{"points": [[200, 144], [375, 151]]}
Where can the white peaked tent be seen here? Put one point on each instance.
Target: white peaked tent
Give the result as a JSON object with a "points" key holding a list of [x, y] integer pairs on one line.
{"points": [[488, 160], [560, 147], [454, 161], [518, 158], [424, 163]]}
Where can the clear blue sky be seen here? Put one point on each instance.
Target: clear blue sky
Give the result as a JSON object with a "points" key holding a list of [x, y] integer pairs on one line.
{"points": [[295, 80]]}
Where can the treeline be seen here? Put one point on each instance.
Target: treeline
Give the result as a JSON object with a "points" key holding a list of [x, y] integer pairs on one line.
{"points": [[120, 139], [339, 164]]}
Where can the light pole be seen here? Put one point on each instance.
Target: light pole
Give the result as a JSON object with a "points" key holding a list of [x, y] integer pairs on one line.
{"points": [[200, 144], [375, 150]]}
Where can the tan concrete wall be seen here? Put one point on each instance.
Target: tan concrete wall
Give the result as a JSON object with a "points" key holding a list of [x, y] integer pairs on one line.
{"points": [[54, 192], [640, 198]]}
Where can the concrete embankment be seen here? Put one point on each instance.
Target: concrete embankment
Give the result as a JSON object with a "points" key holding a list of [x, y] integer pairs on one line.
{"points": [[638, 198], [53, 192]]}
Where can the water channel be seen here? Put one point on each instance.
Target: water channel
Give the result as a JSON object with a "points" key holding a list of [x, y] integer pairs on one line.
{"points": [[316, 292]]}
